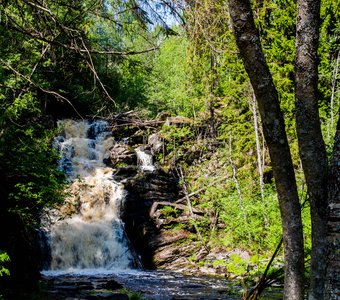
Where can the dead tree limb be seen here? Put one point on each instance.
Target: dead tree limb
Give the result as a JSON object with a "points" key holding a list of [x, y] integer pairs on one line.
{"points": [[202, 189], [155, 206], [185, 190], [264, 281], [237, 185], [53, 93], [259, 160]]}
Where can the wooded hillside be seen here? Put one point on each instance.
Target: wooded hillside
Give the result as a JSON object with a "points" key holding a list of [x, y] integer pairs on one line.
{"points": [[251, 92]]}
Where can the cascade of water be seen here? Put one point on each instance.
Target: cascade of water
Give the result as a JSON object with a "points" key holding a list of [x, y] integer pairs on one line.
{"points": [[145, 160], [86, 232]]}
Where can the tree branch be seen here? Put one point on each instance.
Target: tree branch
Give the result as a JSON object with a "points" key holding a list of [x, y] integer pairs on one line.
{"points": [[185, 189], [53, 93]]}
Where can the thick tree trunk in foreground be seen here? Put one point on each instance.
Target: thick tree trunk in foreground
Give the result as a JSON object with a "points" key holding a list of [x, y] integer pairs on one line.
{"points": [[332, 287], [248, 42], [311, 145]]}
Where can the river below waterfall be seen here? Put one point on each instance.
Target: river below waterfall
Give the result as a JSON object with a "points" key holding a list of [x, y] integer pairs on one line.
{"points": [[160, 285]]}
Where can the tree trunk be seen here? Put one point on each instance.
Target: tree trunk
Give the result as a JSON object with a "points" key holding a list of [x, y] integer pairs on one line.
{"points": [[311, 145], [332, 286], [248, 42]]}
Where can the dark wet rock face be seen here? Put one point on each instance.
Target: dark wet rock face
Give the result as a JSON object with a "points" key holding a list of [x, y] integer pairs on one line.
{"points": [[159, 239], [21, 244], [156, 143], [121, 154], [142, 191]]}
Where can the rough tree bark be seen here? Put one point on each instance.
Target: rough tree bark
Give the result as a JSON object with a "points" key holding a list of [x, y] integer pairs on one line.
{"points": [[311, 144], [332, 285], [248, 42]]}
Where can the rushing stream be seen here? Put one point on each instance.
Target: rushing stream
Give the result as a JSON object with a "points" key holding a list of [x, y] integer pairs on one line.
{"points": [[87, 233], [88, 244]]}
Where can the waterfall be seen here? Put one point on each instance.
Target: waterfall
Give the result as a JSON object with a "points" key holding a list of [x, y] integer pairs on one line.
{"points": [[86, 231], [145, 160]]}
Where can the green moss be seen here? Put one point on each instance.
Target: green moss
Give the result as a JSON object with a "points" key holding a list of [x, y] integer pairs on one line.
{"points": [[121, 164], [131, 294]]}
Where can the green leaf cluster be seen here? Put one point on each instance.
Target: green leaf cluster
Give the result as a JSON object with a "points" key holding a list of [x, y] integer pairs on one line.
{"points": [[169, 88], [4, 258], [32, 180]]}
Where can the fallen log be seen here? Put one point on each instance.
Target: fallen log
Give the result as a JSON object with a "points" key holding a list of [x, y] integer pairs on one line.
{"points": [[156, 204], [201, 189]]}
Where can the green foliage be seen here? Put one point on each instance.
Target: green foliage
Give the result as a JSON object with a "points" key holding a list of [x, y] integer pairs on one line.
{"points": [[237, 265], [329, 49], [125, 77], [218, 73], [169, 86], [180, 141], [74, 52], [177, 134], [169, 211], [224, 198], [33, 181], [131, 294], [135, 296], [4, 258], [276, 20]]}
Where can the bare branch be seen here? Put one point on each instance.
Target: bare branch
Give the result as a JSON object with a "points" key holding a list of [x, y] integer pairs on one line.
{"points": [[91, 66], [36, 65], [113, 52], [53, 93], [193, 216]]}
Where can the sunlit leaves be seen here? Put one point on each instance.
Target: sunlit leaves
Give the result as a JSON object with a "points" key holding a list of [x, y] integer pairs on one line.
{"points": [[22, 106], [4, 258], [170, 88], [33, 181]]}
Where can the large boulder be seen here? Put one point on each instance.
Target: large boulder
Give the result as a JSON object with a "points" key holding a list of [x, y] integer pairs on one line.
{"points": [[156, 143], [121, 155]]}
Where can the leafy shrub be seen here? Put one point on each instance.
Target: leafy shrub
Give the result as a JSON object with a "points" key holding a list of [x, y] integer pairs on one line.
{"points": [[4, 258]]}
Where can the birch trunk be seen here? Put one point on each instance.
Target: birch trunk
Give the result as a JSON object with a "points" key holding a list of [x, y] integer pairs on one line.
{"points": [[259, 160], [237, 185]]}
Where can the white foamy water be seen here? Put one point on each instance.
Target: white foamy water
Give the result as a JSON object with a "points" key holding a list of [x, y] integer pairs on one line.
{"points": [[86, 232], [145, 161]]}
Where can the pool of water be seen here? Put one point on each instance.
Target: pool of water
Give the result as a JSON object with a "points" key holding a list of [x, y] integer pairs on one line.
{"points": [[156, 285]]}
